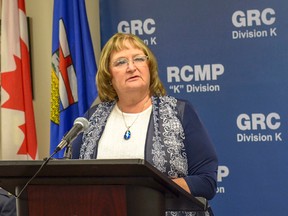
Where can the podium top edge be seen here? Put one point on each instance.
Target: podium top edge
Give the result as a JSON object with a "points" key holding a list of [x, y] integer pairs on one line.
{"points": [[75, 161]]}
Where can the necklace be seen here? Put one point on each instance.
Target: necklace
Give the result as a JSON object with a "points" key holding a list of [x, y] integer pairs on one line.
{"points": [[127, 134]]}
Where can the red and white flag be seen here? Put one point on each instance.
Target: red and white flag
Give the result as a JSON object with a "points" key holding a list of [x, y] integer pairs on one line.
{"points": [[18, 134]]}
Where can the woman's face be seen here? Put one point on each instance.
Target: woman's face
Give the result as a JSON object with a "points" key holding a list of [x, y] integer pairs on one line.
{"points": [[129, 70]]}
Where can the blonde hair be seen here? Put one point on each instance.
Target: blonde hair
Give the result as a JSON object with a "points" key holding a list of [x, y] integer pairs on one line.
{"points": [[116, 43]]}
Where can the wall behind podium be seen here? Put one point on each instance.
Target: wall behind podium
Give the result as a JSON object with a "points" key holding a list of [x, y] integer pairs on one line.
{"points": [[229, 59]]}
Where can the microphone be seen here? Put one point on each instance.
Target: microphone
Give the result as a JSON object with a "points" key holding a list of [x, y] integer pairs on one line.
{"points": [[80, 124]]}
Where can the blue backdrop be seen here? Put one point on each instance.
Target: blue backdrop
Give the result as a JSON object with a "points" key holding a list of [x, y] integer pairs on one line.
{"points": [[230, 60]]}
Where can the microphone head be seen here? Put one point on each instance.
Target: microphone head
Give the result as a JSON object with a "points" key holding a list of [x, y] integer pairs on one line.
{"points": [[83, 122], [80, 124]]}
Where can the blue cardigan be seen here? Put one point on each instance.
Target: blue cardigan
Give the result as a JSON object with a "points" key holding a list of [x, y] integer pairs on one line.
{"points": [[177, 143]]}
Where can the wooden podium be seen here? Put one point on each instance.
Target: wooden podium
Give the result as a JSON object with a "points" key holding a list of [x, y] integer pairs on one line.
{"points": [[125, 187]]}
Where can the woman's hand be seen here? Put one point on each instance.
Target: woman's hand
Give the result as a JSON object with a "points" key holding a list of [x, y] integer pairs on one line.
{"points": [[182, 183]]}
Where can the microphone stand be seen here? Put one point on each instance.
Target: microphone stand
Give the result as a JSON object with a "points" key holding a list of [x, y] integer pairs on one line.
{"points": [[68, 152]]}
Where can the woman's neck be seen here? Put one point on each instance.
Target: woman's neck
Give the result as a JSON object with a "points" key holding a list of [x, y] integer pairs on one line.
{"points": [[134, 105]]}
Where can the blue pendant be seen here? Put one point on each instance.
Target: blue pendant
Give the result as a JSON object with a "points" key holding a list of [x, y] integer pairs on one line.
{"points": [[127, 135]]}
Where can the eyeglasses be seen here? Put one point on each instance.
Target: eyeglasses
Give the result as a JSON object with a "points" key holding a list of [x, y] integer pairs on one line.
{"points": [[138, 61]]}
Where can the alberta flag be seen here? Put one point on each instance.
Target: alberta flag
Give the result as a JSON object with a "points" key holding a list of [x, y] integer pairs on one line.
{"points": [[73, 87]]}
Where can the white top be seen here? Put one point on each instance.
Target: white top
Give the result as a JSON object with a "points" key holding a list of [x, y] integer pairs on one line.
{"points": [[112, 144]]}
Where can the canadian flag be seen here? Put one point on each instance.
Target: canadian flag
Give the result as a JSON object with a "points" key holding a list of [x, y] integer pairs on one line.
{"points": [[18, 134]]}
